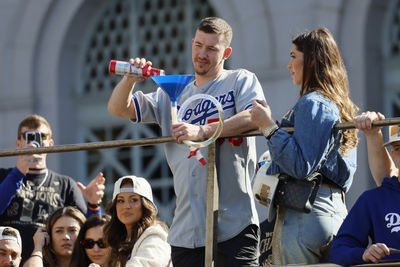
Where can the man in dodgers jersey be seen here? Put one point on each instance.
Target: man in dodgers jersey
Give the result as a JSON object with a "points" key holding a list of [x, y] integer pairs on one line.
{"points": [[238, 230]]}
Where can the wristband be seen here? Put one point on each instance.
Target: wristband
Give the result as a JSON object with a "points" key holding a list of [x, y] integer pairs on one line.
{"points": [[34, 255], [203, 137], [93, 207]]}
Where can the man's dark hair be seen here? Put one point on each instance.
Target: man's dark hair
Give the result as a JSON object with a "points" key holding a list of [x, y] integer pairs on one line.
{"points": [[218, 26]]}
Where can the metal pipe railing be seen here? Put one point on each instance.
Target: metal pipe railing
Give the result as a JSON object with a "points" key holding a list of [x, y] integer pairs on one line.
{"points": [[212, 184], [154, 141]]}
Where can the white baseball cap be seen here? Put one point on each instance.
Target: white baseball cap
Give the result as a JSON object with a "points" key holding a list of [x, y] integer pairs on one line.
{"points": [[264, 158], [10, 237], [140, 187], [264, 188], [394, 135]]}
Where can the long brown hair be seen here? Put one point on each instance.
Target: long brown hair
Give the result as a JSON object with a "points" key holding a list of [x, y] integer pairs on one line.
{"points": [[324, 71], [115, 232], [49, 256]]}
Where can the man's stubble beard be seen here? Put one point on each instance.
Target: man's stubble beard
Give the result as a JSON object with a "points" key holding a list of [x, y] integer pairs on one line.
{"points": [[206, 71], [203, 73]]}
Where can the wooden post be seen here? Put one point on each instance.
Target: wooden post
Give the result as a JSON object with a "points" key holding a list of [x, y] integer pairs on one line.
{"points": [[212, 209]]}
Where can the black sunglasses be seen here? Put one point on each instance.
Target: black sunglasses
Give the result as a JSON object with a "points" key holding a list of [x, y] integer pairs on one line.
{"points": [[89, 243], [43, 135]]}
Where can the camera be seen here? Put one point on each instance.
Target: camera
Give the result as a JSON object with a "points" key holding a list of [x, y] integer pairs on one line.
{"points": [[33, 138]]}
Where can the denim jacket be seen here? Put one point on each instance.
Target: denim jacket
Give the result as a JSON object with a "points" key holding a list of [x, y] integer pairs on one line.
{"points": [[306, 150]]}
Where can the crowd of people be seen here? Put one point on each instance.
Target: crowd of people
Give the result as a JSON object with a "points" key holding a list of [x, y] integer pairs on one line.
{"points": [[129, 234], [49, 209], [30, 192]]}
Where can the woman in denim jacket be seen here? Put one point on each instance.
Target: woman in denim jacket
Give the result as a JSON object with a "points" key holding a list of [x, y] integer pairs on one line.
{"points": [[317, 66]]}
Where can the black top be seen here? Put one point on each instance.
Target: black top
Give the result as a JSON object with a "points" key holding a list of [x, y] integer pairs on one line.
{"points": [[35, 201]]}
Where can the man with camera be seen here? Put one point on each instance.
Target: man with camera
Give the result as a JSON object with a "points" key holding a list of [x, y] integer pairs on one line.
{"points": [[30, 192]]}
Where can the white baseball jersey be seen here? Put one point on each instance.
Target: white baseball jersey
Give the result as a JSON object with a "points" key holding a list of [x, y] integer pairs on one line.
{"points": [[234, 89]]}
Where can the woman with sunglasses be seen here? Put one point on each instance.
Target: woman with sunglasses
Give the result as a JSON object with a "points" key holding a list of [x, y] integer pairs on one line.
{"points": [[54, 244], [90, 246], [135, 235]]}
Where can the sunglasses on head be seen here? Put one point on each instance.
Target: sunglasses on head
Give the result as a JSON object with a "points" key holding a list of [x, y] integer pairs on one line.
{"points": [[43, 135], [89, 243]]}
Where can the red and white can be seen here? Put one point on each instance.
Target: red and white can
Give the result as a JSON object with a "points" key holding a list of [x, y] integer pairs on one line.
{"points": [[125, 68]]}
